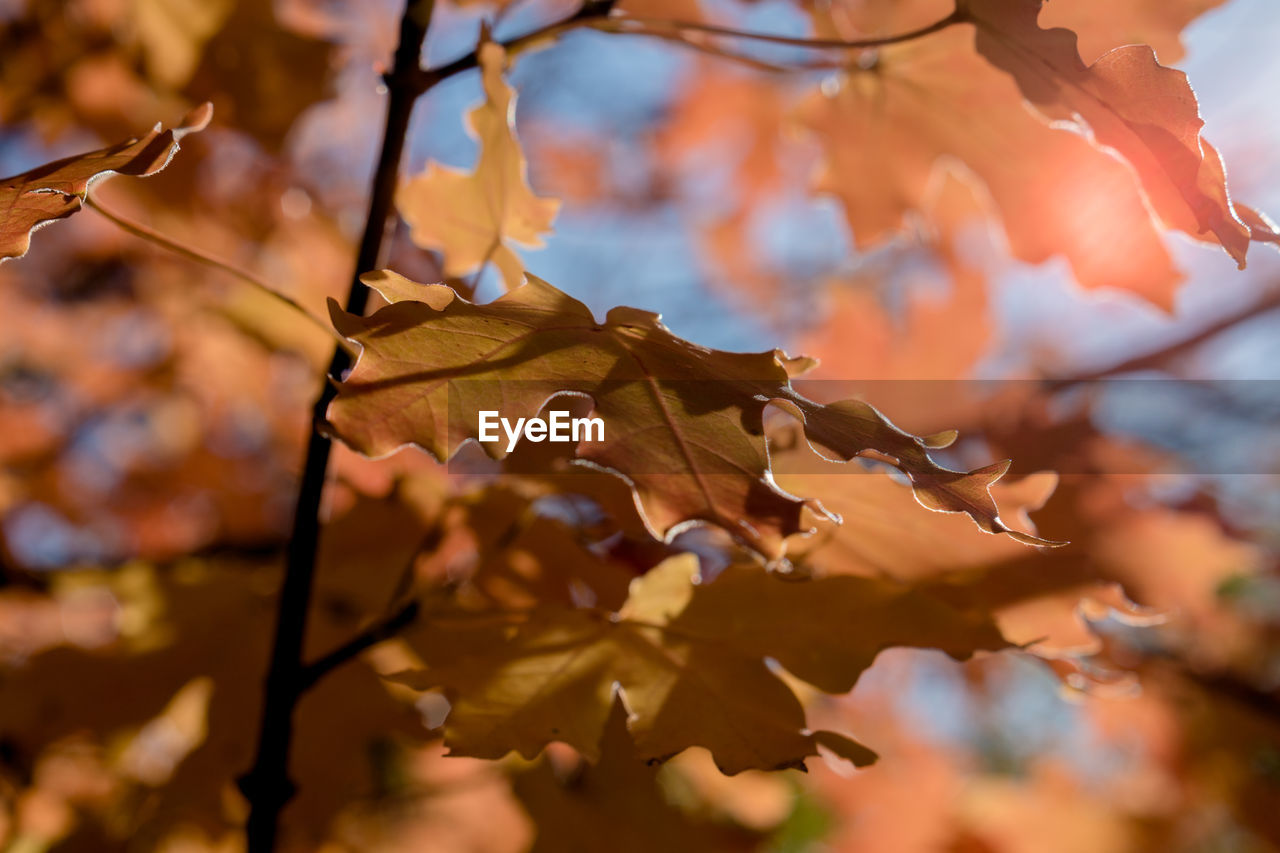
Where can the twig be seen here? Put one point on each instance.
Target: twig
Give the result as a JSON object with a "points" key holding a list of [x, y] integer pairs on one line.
{"points": [[653, 26], [137, 229], [1175, 349], [597, 14], [593, 10], [371, 636], [267, 785], [675, 37]]}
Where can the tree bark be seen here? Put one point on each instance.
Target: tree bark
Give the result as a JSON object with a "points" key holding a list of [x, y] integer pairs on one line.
{"points": [[267, 785]]}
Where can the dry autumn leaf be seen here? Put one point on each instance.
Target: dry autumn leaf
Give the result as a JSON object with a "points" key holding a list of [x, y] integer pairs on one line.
{"points": [[183, 617], [472, 216], [690, 659], [1051, 609], [594, 601], [885, 136], [524, 559], [1125, 101], [620, 798], [1078, 174], [261, 73], [427, 369], [1101, 25], [57, 190], [172, 34]]}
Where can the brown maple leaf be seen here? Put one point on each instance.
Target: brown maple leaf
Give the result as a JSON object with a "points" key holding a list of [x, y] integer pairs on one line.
{"points": [[1125, 101], [689, 659], [472, 216], [886, 136], [681, 423], [1101, 25], [57, 190]]}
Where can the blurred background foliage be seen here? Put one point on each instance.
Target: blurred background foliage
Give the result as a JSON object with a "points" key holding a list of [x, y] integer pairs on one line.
{"points": [[153, 413]]}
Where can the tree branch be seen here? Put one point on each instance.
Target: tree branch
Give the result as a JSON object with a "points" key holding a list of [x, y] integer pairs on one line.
{"points": [[370, 636], [702, 46], [654, 26], [597, 14], [267, 785], [424, 79], [1175, 349]]}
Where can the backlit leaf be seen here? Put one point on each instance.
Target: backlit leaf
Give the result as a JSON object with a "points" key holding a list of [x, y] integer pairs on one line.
{"points": [[619, 798], [471, 216], [56, 190], [1126, 101], [684, 424], [690, 661], [886, 135], [1101, 25]]}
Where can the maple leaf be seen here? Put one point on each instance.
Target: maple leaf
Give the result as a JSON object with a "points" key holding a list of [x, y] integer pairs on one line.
{"points": [[1077, 175], [887, 134], [524, 559], [261, 73], [682, 423], [619, 798], [930, 337], [180, 631], [689, 659], [172, 34], [717, 106], [1041, 597], [471, 216], [1126, 101], [57, 190], [1101, 25]]}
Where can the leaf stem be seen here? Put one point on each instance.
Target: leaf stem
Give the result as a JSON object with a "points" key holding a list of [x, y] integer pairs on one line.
{"points": [[267, 785], [143, 232], [371, 636]]}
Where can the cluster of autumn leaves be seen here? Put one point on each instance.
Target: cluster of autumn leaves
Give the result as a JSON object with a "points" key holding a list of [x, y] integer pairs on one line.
{"points": [[706, 585]]}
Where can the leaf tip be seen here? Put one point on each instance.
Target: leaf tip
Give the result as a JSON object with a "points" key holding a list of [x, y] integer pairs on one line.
{"points": [[940, 440], [196, 120]]}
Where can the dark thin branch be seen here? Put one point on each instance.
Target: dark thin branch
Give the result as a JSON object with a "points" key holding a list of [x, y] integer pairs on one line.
{"points": [[267, 785], [369, 637], [654, 26], [1163, 355], [596, 14], [706, 47], [592, 10]]}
